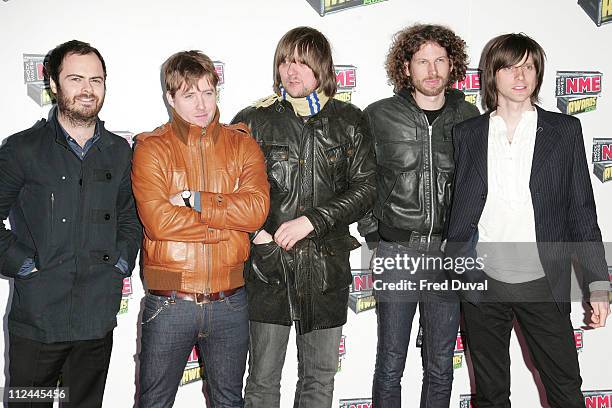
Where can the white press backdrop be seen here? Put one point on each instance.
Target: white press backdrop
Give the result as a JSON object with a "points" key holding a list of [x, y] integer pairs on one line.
{"points": [[136, 36]]}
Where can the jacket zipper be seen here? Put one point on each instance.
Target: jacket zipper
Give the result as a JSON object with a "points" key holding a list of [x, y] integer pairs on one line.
{"points": [[431, 181], [207, 248], [52, 211]]}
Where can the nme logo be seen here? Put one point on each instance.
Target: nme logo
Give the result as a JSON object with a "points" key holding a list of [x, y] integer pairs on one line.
{"points": [[342, 347], [578, 339], [471, 82], [598, 399], [576, 83], [220, 70], [346, 77], [362, 282], [459, 344], [126, 291], [356, 403], [602, 150]]}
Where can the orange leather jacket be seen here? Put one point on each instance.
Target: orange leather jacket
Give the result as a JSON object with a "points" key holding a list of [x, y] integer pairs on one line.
{"points": [[186, 250]]}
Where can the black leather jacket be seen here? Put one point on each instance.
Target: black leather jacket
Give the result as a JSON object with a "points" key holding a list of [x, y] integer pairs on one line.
{"points": [[414, 168], [322, 168]]}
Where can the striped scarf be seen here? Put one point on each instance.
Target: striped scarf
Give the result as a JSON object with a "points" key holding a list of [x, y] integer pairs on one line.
{"points": [[307, 106]]}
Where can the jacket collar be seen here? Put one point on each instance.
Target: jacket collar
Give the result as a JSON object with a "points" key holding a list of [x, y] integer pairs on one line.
{"points": [[189, 133], [544, 143], [52, 120], [451, 97]]}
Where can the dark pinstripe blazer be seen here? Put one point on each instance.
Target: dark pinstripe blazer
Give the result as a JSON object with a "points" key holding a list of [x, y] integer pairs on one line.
{"points": [[562, 196]]}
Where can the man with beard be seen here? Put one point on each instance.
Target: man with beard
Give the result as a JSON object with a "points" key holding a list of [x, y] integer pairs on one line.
{"points": [[65, 186], [414, 155], [321, 175]]}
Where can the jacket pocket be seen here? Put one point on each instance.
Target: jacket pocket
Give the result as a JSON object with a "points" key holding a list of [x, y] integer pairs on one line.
{"points": [[405, 194], [335, 265], [170, 254], [277, 163], [236, 249], [338, 161], [269, 263]]}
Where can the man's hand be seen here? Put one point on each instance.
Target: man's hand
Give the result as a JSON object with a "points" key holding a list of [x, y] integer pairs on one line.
{"points": [[177, 199], [601, 308], [263, 237], [290, 232]]}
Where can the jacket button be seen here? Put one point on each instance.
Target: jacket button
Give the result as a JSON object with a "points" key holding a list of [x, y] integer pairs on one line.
{"points": [[301, 208], [109, 176], [483, 196], [107, 217], [105, 258]]}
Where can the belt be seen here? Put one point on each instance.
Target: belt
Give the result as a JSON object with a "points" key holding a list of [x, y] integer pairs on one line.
{"points": [[195, 297], [420, 242]]}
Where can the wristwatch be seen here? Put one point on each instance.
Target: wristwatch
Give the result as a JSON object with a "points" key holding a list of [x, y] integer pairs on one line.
{"points": [[186, 195]]}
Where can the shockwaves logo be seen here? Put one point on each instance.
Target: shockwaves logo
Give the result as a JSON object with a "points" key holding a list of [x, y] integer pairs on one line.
{"points": [[356, 403], [34, 78], [598, 399], [600, 11], [602, 159], [329, 6], [577, 91], [346, 81], [470, 85], [126, 294], [193, 370], [341, 351], [361, 297], [465, 401]]}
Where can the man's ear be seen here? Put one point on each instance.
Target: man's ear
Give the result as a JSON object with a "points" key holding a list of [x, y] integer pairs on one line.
{"points": [[170, 99], [53, 86]]}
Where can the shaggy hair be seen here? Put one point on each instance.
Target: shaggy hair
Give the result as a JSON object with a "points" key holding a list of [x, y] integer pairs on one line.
{"points": [[409, 40]]}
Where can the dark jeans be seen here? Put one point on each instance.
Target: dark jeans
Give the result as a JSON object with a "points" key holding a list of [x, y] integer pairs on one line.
{"points": [[317, 365], [82, 365], [170, 330], [549, 336], [439, 316]]}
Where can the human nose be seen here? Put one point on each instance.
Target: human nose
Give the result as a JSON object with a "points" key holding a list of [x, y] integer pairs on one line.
{"points": [[432, 69], [518, 72], [291, 68]]}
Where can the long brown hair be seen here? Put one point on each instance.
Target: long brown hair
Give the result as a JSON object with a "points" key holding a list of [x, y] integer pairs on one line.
{"points": [[314, 50], [505, 51]]}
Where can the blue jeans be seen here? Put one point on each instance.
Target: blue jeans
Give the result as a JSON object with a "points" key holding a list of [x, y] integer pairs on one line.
{"points": [[439, 316], [170, 330], [317, 365]]}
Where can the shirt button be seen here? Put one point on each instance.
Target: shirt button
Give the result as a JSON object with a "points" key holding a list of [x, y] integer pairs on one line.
{"points": [[107, 217], [63, 220], [301, 208], [105, 258], [63, 177]]}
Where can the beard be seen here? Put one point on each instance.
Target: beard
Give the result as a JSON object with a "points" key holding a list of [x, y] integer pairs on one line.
{"points": [[79, 116], [428, 91]]}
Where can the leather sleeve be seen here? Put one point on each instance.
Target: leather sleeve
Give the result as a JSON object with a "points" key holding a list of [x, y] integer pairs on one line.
{"points": [[246, 208], [352, 204], [163, 221]]}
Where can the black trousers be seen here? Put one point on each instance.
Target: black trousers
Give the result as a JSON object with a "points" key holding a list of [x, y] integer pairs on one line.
{"points": [[81, 365], [548, 333]]}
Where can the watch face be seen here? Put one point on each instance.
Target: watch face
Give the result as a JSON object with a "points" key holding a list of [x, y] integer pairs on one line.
{"points": [[186, 194]]}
